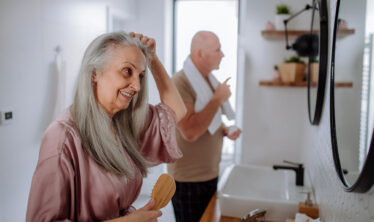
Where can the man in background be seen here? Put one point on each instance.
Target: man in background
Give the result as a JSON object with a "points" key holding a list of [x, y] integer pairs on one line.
{"points": [[200, 133]]}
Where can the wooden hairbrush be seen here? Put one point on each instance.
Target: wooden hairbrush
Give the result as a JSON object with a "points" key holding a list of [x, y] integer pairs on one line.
{"points": [[163, 191]]}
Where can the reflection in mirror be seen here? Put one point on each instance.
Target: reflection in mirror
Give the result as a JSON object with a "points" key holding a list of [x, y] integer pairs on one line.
{"points": [[317, 64], [313, 65], [352, 108]]}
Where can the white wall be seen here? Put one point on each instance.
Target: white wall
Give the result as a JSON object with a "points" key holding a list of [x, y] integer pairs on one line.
{"points": [[18, 90], [274, 118]]}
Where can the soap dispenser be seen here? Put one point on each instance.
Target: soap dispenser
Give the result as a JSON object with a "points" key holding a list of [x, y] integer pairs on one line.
{"points": [[308, 207]]}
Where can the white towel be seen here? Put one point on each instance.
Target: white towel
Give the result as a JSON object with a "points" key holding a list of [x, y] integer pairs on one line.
{"points": [[204, 94], [59, 72]]}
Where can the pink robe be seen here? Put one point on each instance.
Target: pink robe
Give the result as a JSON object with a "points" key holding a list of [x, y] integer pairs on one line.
{"points": [[69, 186]]}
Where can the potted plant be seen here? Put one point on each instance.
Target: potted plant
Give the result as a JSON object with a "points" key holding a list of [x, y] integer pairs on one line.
{"points": [[314, 69], [282, 13], [292, 70]]}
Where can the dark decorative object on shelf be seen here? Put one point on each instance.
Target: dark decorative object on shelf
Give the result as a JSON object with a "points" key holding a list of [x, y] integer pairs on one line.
{"points": [[306, 45]]}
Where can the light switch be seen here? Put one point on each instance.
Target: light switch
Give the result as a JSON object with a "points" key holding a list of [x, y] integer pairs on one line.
{"points": [[6, 116]]}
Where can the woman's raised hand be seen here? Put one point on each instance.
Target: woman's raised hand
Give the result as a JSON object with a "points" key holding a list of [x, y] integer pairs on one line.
{"points": [[169, 94], [149, 42]]}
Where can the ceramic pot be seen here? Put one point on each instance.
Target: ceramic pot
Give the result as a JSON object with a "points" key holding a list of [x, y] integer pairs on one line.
{"points": [[292, 72], [314, 71]]}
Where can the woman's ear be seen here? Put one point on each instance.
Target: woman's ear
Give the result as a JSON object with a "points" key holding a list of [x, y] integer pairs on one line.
{"points": [[94, 76]]}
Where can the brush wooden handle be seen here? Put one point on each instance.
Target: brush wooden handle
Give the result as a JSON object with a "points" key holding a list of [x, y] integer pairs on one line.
{"points": [[163, 191]]}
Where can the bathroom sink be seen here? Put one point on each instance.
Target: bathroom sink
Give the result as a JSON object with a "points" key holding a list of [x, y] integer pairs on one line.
{"points": [[243, 188]]}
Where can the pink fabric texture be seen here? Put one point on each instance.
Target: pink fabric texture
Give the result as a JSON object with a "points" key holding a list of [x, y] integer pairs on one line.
{"points": [[69, 186]]}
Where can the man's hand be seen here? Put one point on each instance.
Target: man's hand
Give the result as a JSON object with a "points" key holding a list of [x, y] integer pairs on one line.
{"points": [[234, 135], [222, 92]]}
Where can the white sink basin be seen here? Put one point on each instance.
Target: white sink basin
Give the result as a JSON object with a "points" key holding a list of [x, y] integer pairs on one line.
{"points": [[243, 188]]}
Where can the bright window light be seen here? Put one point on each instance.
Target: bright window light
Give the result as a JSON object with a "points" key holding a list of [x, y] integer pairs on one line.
{"points": [[220, 17]]}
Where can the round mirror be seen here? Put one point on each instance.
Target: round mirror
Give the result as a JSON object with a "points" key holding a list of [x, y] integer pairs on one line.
{"points": [[317, 64], [352, 108]]}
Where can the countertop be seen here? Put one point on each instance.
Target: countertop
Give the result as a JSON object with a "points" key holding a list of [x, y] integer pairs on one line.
{"points": [[213, 214]]}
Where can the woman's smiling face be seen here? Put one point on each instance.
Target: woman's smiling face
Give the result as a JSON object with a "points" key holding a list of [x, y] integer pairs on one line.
{"points": [[119, 81]]}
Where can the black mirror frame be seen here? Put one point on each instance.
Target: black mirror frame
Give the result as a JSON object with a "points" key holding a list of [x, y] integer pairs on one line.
{"points": [[323, 60], [366, 178]]}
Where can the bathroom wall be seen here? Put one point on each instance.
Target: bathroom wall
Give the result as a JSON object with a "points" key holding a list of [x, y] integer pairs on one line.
{"points": [[273, 118], [275, 122], [30, 31], [336, 205]]}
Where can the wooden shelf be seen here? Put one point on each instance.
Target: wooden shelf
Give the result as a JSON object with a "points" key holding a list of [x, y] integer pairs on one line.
{"points": [[280, 33], [271, 83], [294, 33], [345, 32]]}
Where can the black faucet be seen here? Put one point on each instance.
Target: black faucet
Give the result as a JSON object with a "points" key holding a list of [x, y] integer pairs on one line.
{"points": [[298, 168]]}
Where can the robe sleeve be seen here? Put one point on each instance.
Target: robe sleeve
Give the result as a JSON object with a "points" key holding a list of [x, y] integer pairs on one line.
{"points": [[52, 186], [159, 143]]}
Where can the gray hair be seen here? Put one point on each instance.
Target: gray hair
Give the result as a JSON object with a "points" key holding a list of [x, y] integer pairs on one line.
{"points": [[95, 126]]}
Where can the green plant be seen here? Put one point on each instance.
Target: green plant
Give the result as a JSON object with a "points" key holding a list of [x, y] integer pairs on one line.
{"points": [[314, 60], [275, 67], [283, 9], [294, 59]]}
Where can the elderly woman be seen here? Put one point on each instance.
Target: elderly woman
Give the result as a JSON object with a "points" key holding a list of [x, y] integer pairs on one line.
{"points": [[93, 158]]}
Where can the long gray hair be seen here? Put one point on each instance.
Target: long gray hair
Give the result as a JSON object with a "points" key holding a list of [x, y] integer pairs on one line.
{"points": [[96, 126]]}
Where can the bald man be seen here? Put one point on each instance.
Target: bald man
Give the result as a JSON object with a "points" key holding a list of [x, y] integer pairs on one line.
{"points": [[200, 133]]}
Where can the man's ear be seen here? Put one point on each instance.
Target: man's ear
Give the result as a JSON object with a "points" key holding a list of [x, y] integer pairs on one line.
{"points": [[199, 53]]}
